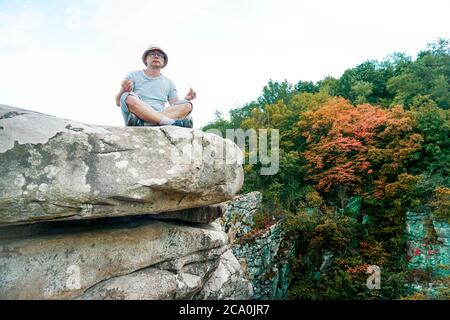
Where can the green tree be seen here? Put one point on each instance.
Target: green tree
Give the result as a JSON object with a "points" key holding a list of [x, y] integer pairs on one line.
{"points": [[433, 124], [360, 91], [306, 86], [329, 85], [428, 75], [219, 123], [275, 91]]}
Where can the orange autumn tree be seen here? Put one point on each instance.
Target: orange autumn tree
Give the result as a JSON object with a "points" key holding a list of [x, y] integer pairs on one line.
{"points": [[338, 137], [397, 146]]}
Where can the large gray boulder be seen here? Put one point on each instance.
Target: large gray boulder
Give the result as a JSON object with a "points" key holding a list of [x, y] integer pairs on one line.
{"points": [[227, 282], [130, 259], [57, 169]]}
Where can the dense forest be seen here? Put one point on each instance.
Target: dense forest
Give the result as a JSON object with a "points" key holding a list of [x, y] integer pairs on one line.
{"points": [[356, 154]]}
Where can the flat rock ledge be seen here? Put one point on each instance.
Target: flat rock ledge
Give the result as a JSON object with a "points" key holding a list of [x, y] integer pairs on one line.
{"points": [[57, 169], [132, 258]]}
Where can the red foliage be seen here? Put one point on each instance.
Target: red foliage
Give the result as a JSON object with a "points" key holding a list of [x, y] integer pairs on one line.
{"points": [[394, 148], [339, 136], [361, 269]]}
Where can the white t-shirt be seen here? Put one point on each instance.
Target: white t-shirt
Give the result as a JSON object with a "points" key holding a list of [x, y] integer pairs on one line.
{"points": [[154, 91]]}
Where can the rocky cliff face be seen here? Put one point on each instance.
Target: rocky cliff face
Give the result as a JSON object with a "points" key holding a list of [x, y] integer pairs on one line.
{"points": [[263, 253], [428, 254], [78, 205]]}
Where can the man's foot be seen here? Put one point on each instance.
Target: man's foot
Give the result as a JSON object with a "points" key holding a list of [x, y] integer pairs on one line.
{"points": [[185, 123], [134, 121]]}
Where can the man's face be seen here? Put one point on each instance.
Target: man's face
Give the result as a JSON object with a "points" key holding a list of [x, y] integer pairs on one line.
{"points": [[155, 58]]}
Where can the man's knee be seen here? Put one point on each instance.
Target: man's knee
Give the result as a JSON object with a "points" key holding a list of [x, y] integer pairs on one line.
{"points": [[128, 99], [131, 102], [187, 107]]}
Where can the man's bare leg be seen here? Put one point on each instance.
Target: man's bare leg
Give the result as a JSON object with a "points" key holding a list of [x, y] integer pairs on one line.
{"points": [[142, 110], [179, 111], [167, 117]]}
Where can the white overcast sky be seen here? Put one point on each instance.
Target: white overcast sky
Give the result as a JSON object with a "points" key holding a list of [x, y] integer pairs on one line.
{"points": [[68, 58]]}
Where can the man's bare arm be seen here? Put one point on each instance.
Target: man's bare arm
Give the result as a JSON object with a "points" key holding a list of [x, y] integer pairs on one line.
{"points": [[173, 100], [127, 86], [191, 95]]}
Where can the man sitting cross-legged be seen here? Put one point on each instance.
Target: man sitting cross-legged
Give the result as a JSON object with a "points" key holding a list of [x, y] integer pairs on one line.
{"points": [[144, 93]]}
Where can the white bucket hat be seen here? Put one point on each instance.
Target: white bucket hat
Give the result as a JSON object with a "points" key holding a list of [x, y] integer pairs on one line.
{"points": [[151, 48]]}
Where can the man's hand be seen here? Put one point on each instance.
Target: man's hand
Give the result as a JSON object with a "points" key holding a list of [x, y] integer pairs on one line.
{"points": [[127, 85], [191, 95]]}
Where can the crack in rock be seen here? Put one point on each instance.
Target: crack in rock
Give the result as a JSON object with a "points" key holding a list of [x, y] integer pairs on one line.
{"points": [[11, 114]]}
